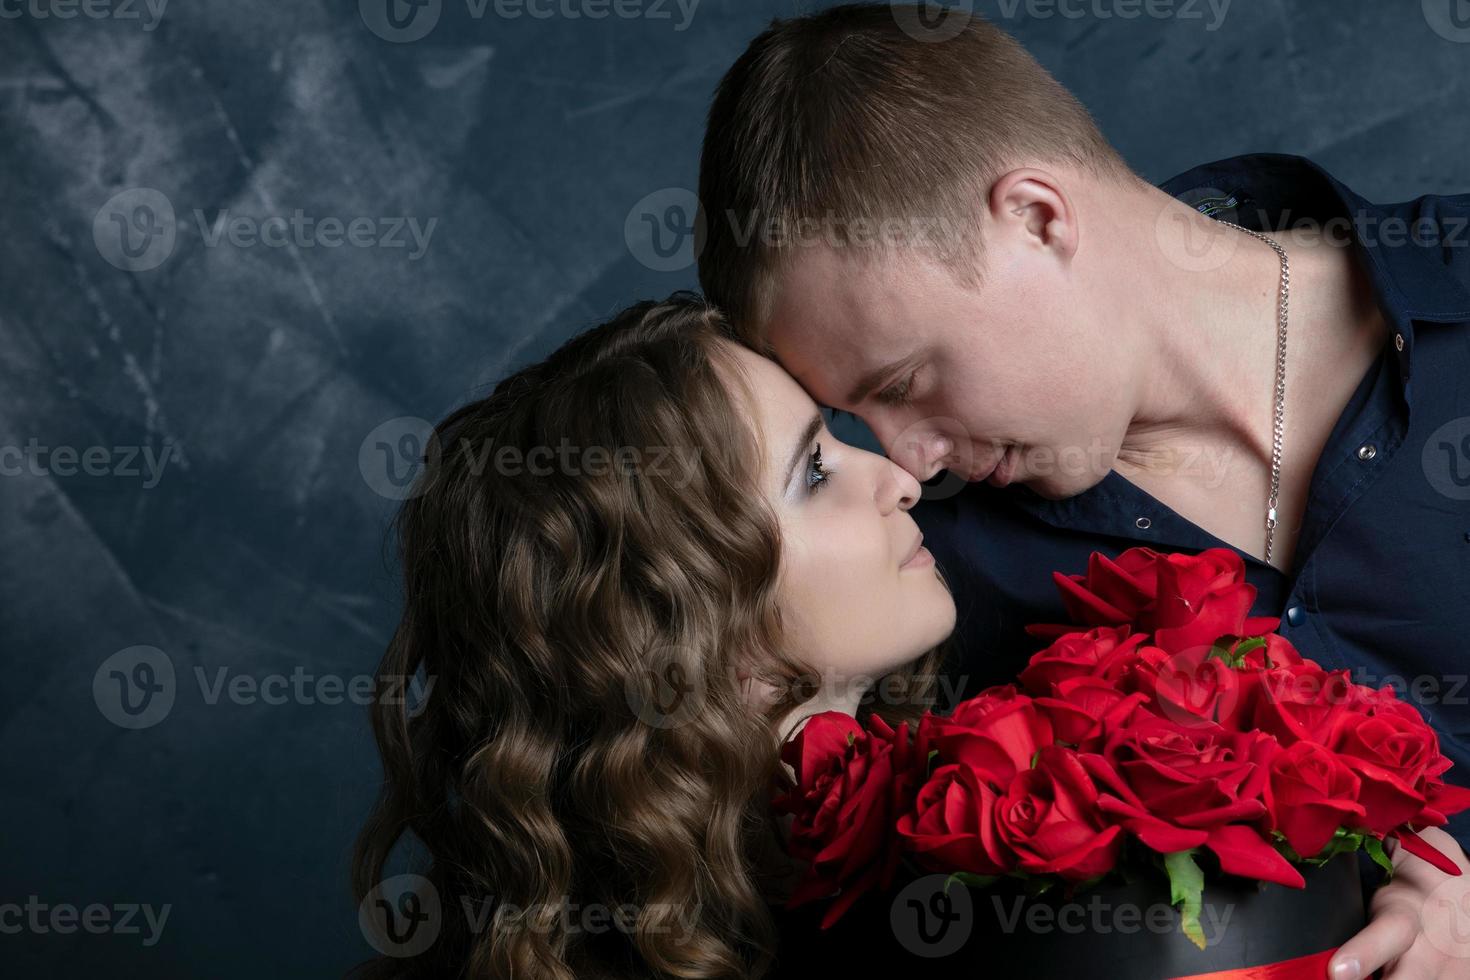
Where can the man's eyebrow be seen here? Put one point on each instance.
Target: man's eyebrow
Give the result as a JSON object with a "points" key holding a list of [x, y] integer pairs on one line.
{"points": [[873, 379], [813, 426]]}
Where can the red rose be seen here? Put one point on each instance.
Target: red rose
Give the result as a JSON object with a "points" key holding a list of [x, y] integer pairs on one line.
{"points": [[851, 786], [1442, 800], [1394, 755], [952, 824], [1190, 687], [1202, 598], [1301, 702], [1177, 787], [995, 733], [1050, 819], [1105, 652], [1114, 592], [1187, 596], [1085, 710], [1311, 795], [1277, 652]]}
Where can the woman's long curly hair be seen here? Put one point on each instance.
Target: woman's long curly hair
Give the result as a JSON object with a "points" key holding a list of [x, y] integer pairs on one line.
{"points": [[556, 607]]}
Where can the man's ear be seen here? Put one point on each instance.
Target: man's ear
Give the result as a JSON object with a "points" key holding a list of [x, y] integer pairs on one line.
{"points": [[1032, 206]]}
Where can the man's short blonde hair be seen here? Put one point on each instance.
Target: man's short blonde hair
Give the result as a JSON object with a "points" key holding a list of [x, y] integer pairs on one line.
{"points": [[848, 127]]}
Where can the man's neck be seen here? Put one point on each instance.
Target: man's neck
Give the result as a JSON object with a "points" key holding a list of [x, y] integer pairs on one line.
{"points": [[1212, 332], [1206, 323]]}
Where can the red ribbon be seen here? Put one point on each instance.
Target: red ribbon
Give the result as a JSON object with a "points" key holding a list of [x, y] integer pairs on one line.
{"points": [[1312, 967]]}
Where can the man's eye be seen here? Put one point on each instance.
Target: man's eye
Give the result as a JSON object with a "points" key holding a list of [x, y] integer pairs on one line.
{"points": [[897, 394]]}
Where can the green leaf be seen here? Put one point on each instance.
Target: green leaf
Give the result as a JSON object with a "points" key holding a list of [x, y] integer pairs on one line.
{"points": [[1380, 857], [1186, 889], [1287, 851], [1222, 653], [1034, 756], [971, 879], [1246, 646]]}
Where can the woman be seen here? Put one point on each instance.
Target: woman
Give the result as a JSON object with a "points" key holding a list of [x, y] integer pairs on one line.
{"points": [[631, 572]]}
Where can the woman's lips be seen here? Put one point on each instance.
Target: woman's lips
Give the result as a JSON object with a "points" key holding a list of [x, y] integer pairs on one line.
{"points": [[919, 559]]}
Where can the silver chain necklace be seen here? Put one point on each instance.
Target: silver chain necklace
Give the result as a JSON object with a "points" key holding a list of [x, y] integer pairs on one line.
{"points": [[1279, 422]]}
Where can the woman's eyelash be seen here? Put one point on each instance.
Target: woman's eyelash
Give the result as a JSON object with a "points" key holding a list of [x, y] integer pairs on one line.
{"points": [[816, 476]]}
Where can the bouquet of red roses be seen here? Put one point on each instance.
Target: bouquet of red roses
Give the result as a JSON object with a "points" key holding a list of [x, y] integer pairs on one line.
{"points": [[1166, 719]]}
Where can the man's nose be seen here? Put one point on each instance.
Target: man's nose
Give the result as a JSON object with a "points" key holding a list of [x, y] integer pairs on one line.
{"points": [[921, 453]]}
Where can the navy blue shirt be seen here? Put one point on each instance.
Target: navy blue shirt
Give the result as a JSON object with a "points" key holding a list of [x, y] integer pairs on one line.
{"points": [[1380, 583]]}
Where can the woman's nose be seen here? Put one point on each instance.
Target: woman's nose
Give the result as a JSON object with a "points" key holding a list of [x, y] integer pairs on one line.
{"points": [[897, 487]]}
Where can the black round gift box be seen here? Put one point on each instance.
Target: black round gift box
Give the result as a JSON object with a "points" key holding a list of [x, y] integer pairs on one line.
{"points": [[1113, 931]]}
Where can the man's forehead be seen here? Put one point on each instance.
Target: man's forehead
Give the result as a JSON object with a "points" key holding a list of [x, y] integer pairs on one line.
{"points": [[828, 320], [824, 357]]}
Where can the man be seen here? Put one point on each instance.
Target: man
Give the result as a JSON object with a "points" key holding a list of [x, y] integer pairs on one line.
{"points": [[936, 238]]}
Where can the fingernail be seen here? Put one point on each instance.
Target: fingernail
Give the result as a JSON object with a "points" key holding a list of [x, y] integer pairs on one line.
{"points": [[1347, 970]]}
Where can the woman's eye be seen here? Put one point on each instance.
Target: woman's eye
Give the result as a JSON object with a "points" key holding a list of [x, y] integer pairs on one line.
{"points": [[815, 474]]}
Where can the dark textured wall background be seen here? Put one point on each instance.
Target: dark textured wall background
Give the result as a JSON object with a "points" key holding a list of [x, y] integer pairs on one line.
{"points": [[259, 373]]}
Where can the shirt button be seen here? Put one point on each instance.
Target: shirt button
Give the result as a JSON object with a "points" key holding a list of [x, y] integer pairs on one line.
{"points": [[1367, 451], [1296, 615], [1398, 341], [1143, 523]]}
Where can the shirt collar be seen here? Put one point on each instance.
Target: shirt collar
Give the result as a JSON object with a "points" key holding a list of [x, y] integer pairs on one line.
{"points": [[1265, 191]]}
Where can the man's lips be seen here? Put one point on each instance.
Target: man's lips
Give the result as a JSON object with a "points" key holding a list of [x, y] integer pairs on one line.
{"points": [[1000, 474], [1003, 466]]}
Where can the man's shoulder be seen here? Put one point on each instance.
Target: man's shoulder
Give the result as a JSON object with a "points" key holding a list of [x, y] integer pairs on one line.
{"points": [[1420, 246], [1438, 225]]}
